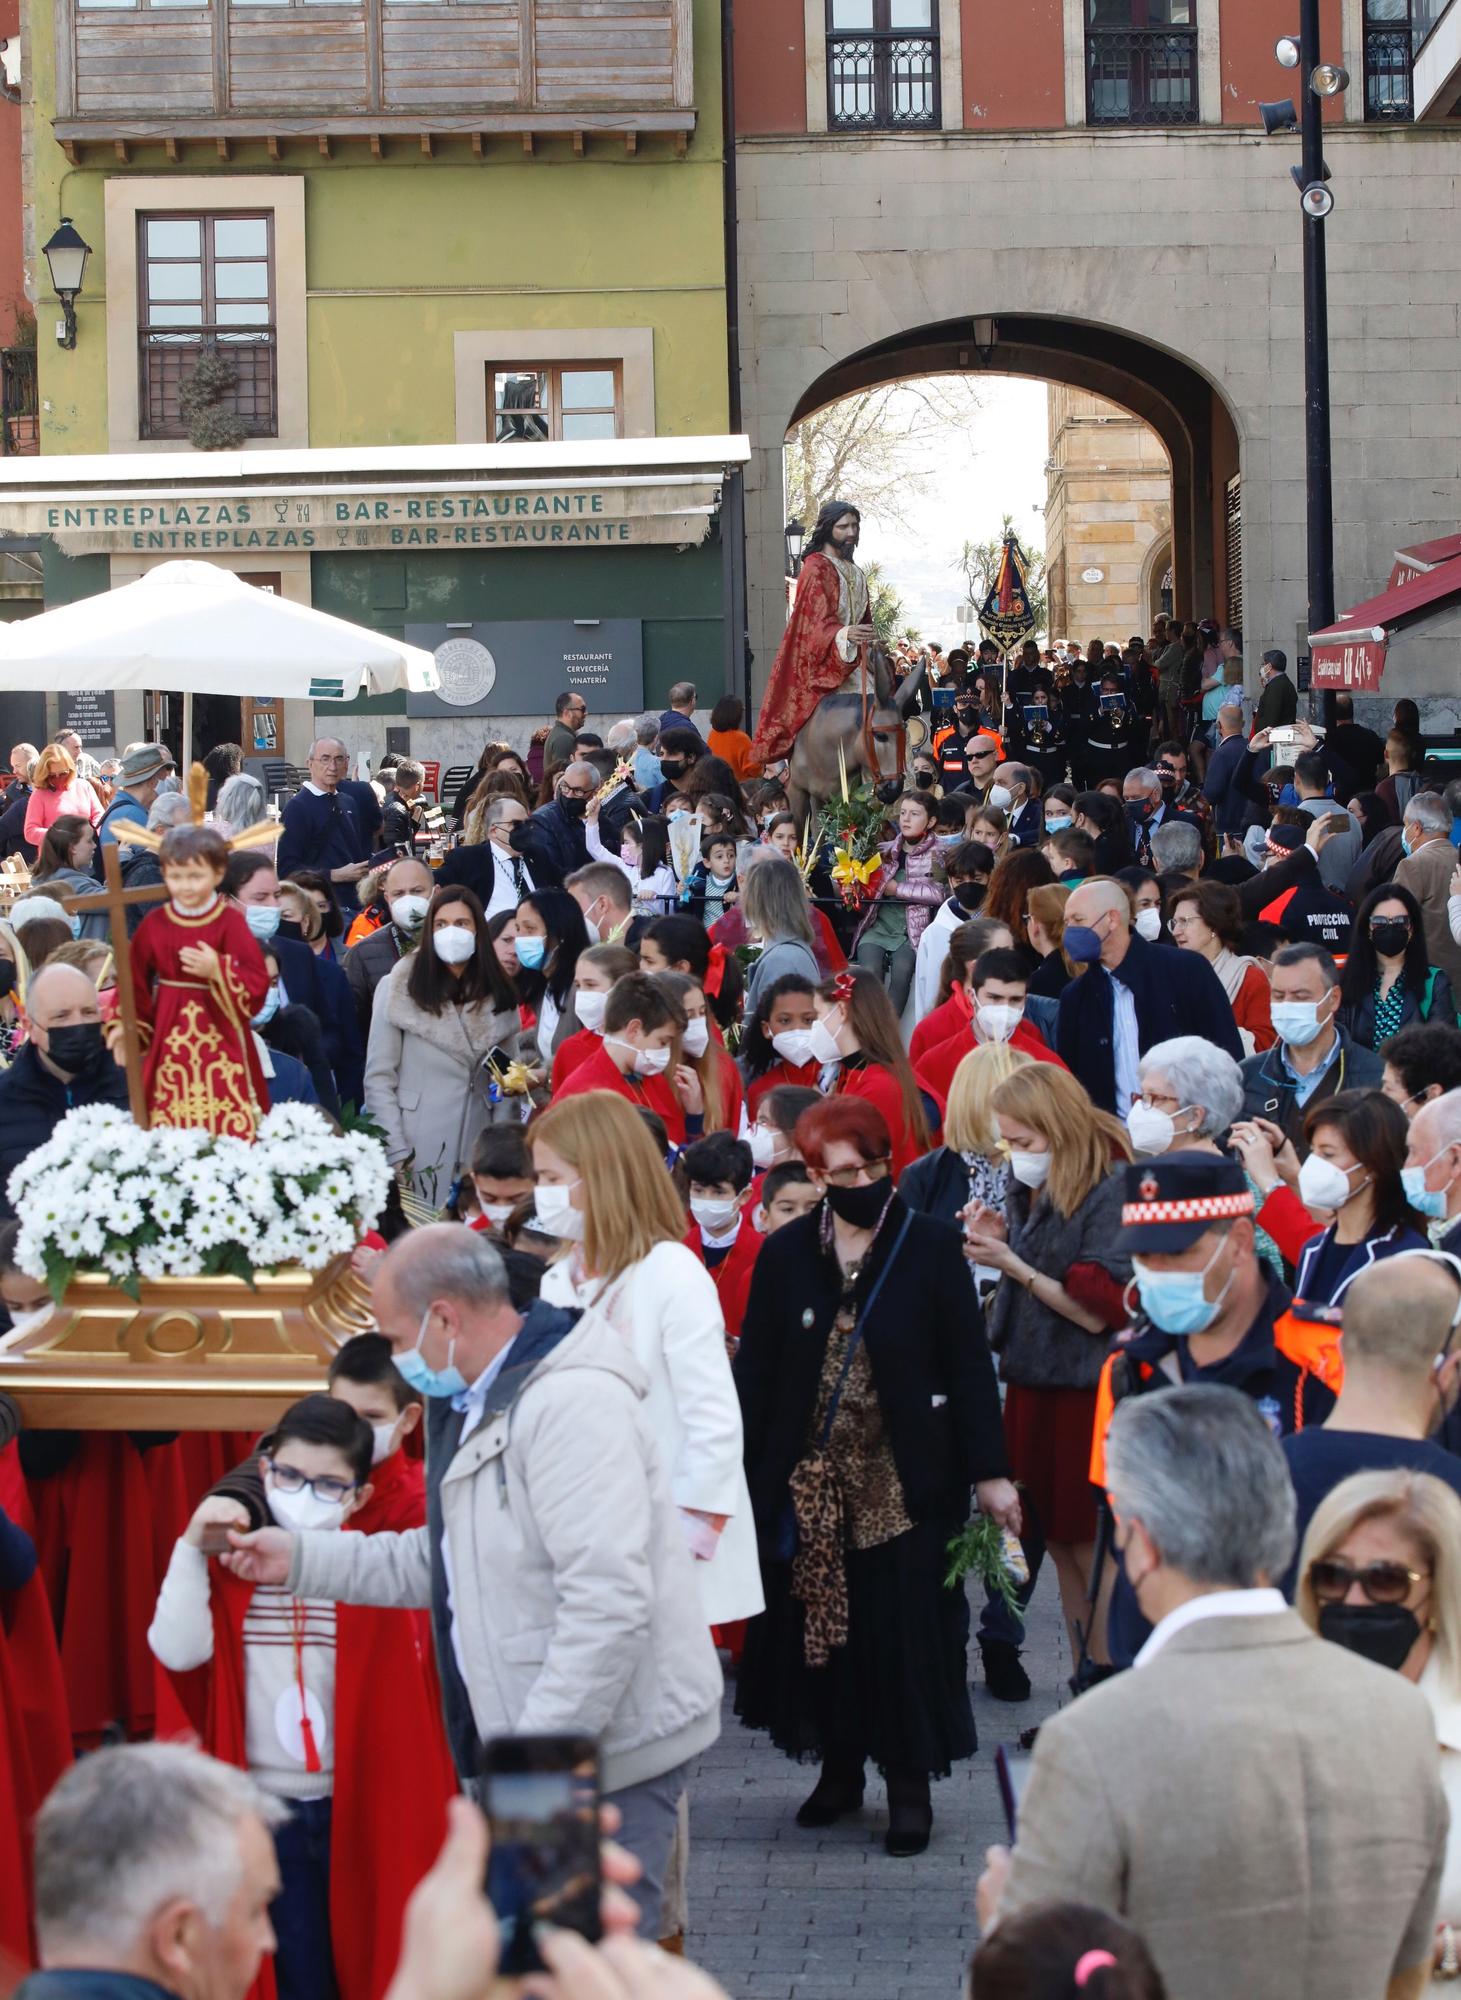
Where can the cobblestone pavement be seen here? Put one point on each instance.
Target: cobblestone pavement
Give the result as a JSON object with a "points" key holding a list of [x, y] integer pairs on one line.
{"points": [[783, 1914]]}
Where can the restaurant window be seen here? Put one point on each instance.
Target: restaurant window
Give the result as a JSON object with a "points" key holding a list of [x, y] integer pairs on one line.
{"points": [[206, 289], [1141, 62], [1389, 45], [882, 65], [568, 403]]}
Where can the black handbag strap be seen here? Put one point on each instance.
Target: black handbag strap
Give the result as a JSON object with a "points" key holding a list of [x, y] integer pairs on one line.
{"points": [[855, 1337]]}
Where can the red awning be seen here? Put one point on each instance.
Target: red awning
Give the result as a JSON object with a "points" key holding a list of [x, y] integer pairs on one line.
{"points": [[1350, 653], [1423, 556]]}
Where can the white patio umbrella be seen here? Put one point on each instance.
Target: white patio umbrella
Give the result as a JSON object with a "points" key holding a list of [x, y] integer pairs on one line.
{"points": [[193, 628]]}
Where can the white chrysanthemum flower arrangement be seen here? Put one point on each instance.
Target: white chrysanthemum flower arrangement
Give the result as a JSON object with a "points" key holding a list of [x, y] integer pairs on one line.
{"points": [[104, 1196]]}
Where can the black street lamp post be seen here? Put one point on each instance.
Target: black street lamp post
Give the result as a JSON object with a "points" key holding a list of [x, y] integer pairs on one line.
{"points": [[1319, 479]]}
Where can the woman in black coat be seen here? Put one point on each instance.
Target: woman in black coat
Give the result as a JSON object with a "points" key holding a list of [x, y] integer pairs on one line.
{"points": [[870, 1409]]}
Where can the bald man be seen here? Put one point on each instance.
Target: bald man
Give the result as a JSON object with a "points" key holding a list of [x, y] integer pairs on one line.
{"points": [[561, 1589], [1402, 1370], [1132, 996], [65, 1063], [552, 840]]}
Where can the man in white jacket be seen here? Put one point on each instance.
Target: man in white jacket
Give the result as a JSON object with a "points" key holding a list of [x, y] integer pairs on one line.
{"points": [[561, 1592]]}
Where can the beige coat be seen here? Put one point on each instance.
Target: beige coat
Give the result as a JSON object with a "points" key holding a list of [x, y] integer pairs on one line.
{"points": [[1427, 875], [1263, 1806], [425, 1084]]}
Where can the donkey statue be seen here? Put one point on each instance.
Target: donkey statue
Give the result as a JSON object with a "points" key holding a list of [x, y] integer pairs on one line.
{"points": [[866, 723]]}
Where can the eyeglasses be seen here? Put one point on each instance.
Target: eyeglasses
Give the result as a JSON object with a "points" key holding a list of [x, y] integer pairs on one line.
{"points": [[1382, 1582], [333, 1491], [870, 1171]]}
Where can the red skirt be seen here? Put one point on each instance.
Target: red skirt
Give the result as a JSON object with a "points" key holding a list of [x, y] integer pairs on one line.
{"points": [[1047, 1433]]}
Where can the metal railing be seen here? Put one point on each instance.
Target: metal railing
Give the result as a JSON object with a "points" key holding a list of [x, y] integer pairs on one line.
{"points": [[883, 82], [1389, 98], [167, 359], [20, 435], [1141, 76]]}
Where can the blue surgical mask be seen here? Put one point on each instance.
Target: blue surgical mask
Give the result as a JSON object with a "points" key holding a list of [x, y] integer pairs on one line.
{"points": [[75, 923], [1174, 1300], [1425, 1201], [416, 1374], [1295, 1021], [1057, 823], [531, 951], [270, 1007], [1405, 842], [1082, 943]]}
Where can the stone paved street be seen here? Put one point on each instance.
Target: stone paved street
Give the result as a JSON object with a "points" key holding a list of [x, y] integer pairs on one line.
{"points": [[786, 1915]]}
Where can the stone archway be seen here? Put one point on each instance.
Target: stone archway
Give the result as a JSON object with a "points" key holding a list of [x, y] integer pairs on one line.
{"points": [[1154, 570], [1187, 412]]}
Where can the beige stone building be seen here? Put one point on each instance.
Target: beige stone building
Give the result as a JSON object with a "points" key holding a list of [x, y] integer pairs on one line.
{"points": [[1108, 519]]}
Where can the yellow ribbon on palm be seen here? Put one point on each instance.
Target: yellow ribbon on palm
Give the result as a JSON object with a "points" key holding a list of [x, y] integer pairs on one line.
{"points": [[848, 869]]}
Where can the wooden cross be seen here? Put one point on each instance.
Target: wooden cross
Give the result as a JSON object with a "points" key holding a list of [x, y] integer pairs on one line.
{"points": [[116, 900]]}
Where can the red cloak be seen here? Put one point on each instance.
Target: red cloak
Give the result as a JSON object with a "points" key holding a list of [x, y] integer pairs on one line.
{"points": [[807, 664], [35, 1730], [601, 1072], [732, 1274], [393, 1772]]}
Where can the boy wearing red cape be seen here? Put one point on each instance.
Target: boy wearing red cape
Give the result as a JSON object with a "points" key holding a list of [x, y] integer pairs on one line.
{"points": [[335, 1709]]}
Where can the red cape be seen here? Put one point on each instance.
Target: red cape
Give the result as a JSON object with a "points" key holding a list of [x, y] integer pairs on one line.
{"points": [[804, 1077], [935, 1072], [951, 1017], [880, 1087], [577, 1049], [732, 1274], [393, 1772], [600, 1072], [807, 664], [35, 1730]]}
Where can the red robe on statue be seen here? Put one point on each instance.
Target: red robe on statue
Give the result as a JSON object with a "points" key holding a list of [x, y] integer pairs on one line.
{"points": [[809, 662], [202, 1066], [393, 1772]]}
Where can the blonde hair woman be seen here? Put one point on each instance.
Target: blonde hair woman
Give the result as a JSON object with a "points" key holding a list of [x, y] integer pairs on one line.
{"points": [[1380, 1572], [972, 1165], [56, 790], [602, 1189], [1060, 1297]]}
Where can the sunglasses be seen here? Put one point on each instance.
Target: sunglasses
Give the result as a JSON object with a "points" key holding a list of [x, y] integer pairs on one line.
{"points": [[1382, 1582]]}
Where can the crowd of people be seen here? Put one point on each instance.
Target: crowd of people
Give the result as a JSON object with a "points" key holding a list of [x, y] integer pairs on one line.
{"points": [[1093, 1175]]}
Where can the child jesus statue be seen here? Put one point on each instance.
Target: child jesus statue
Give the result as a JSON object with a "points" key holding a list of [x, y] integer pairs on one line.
{"points": [[199, 977]]}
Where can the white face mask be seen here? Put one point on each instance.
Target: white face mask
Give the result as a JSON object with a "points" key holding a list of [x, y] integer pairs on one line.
{"points": [[495, 1213], [1031, 1170], [651, 1062], [763, 1142], [454, 946], [998, 1021], [555, 1214], [696, 1038], [1322, 1184], [304, 1511], [822, 1043], [385, 1442], [22, 1323], [714, 1213], [1001, 797], [794, 1046], [408, 913], [589, 1007], [1148, 923], [1152, 1131]]}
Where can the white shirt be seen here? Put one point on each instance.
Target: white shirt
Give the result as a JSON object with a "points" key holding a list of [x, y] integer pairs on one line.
{"points": [[472, 1403], [506, 894], [1262, 1603], [1125, 1044]]}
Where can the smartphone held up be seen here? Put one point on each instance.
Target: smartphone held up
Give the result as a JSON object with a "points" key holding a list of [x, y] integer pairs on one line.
{"points": [[541, 1797]]}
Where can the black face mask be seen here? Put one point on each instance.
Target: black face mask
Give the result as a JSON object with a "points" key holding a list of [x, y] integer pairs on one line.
{"points": [[969, 895], [7, 977], [575, 808], [76, 1049], [671, 768], [862, 1207], [1383, 1633], [1390, 936], [290, 931], [923, 781]]}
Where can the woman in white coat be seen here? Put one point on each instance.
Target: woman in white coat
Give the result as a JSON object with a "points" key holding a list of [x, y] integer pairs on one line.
{"points": [[602, 1189], [442, 1022]]}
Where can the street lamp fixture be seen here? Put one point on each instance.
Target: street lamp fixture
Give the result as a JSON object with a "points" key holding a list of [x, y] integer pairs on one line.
{"points": [[1316, 200], [66, 255], [1286, 48], [985, 334], [794, 535], [1279, 117], [1329, 79]]}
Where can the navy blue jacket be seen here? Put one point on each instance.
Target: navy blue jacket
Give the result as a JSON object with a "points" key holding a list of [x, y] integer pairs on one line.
{"points": [[12, 824], [368, 810], [552, 843], [1176, 993], [322, 830], [1226, 786], [33, 1103]]}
